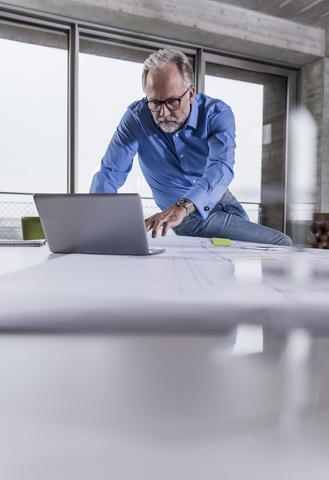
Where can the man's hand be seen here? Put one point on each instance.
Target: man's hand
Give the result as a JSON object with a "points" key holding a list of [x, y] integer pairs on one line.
{"points": [[171, 217]]}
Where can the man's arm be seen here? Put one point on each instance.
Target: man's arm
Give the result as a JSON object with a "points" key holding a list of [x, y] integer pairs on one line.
{"points": [[117, 161], [171, 217], [218, 172]]}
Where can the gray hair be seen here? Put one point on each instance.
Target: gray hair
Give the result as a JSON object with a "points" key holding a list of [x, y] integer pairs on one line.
{"points": [[160, 59]]}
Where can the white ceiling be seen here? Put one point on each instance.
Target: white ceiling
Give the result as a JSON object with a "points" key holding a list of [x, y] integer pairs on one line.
{"points": [[308, 12]]}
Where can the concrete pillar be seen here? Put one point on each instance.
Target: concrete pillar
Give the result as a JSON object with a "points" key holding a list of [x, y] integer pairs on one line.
{"points": [[272, 189], [325, 141], [316, 99]]}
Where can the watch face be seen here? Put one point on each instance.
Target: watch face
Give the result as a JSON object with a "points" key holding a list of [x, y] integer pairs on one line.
{"points": [[183, 202]]}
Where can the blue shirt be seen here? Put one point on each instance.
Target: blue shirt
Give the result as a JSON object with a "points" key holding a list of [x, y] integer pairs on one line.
{"points": [[195, 162]]}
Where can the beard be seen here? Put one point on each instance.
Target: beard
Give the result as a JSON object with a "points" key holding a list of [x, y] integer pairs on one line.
{"points": [[169, 127], [176, 123]]}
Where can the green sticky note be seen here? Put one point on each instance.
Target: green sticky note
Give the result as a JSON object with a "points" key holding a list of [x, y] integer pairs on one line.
{"points": [[222, 242]]}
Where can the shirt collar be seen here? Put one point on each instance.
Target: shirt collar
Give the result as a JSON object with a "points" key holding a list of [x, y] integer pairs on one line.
{"points": [[192, 120]]}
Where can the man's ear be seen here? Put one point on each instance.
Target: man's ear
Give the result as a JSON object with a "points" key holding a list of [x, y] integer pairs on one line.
{"points": [[191, 94]]}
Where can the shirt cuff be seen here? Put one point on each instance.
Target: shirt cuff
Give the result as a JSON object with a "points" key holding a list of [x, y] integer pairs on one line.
{"points": [[202, 201]]}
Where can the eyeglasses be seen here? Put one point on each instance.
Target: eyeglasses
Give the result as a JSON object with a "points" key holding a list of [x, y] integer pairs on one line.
{"points": [[172, 103]]}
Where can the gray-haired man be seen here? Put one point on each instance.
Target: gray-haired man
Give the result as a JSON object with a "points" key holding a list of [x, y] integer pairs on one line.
{"points": [[185, 145]]}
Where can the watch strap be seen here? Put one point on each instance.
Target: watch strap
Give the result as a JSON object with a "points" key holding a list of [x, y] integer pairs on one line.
{"points": [[186, 203]]}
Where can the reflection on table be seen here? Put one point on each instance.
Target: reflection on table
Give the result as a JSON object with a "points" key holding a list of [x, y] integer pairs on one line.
{"points": [[116, 367]]}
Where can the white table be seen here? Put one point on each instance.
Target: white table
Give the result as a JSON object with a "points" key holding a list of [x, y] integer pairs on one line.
{"points": [[192, 287], [170, 400], [13, 259]]}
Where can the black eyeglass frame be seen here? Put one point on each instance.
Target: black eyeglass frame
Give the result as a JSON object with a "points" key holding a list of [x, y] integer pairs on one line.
{"points": [[165, 102]]}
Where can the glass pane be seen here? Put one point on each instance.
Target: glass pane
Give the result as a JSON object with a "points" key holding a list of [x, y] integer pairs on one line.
{"points": [[107, 86], [33, 114], [258, 101], [246, 101]]}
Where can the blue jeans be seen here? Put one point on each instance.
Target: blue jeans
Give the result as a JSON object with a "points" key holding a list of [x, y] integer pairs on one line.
{"points": [[228, 219]]}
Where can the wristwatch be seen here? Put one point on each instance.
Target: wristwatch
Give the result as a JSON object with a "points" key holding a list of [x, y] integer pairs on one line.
{"points": [[184, 202]]}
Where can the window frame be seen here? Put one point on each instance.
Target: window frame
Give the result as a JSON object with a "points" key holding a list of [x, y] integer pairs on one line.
{"points": [[77, 28]]}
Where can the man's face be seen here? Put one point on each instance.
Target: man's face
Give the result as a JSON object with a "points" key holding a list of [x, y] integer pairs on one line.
{"points": [[162, 85]]}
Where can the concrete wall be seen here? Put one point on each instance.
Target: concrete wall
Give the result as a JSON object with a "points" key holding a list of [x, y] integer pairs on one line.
{"points": [[204, 22], [316, 98], [324, 143]]}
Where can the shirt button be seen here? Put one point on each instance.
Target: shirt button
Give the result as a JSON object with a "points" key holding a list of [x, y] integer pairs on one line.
{"points": [[181, 156], [176, 134], [194, 181], [206, 209]]}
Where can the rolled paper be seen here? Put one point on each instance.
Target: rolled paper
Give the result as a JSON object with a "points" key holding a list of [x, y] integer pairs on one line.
{"points": [[315, 227], [319, 222], [312, 240], [318, 217], [326, 222]]}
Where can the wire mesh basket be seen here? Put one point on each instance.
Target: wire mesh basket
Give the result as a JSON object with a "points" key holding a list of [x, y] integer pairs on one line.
{"points": [[10, 218]]}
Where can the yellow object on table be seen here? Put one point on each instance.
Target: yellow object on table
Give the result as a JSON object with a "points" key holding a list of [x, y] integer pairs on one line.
{"points": [[32, 228], [222, 242]]}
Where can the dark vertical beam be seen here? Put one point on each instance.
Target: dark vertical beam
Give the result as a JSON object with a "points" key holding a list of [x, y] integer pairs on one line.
{"points": [[73, 109], [200, 71], [273, 152]]}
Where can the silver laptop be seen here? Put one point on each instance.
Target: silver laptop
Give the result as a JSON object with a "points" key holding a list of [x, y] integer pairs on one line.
{"points": [[111, 224]]}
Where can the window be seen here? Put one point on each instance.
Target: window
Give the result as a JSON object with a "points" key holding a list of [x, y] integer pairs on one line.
{"points": [[47, 110], [246, 101], [33, 110], [258, 101], [109, 81]]}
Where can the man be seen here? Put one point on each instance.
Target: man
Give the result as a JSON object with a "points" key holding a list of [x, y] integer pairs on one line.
{"points": [[185, 144]]}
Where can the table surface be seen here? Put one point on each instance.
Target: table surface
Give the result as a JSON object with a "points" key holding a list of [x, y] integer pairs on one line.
{"points": [[76, 407], [192, 287], [163, 402]]}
